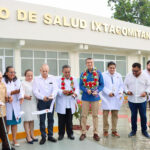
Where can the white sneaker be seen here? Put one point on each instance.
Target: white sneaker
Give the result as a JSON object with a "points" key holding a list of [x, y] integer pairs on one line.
{"points": [[16, 145]]}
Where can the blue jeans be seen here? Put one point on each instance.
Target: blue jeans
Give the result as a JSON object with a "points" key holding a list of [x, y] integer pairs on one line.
{"points": [[50, 118], [134, 107]]}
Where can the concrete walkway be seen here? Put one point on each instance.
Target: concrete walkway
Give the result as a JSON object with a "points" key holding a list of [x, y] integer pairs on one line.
{"points": [[123, 143]]}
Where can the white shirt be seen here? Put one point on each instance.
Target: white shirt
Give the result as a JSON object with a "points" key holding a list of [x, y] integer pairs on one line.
{"points": [[63, 101], [148, 74], [44, 87], [137, 85], [112, 84]]}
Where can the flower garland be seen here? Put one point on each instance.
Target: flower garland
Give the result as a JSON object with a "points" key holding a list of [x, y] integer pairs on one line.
{"points": [[90, 84], [71, 84]]}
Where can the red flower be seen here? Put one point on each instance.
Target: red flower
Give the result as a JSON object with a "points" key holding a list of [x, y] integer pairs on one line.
{"points": [[73, 89], [63, 83], [95, 79], [71, 92], [62, 78], [84, 80], [71, 78], [62, 87], [86, 84], [94, 73], [90, 84], [84, 74], [94, 83]]}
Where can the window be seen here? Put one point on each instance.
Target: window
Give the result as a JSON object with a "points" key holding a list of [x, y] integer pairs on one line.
{"points": [[31, 59], [144, 63], [101, 61], [6, 58]]}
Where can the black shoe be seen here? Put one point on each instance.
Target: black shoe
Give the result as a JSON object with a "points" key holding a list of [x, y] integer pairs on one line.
{"points": [[146, 134], [43, 140], [29, 142], [60, 137], [71, 137], [52, 139], [8, 148], [132, 133], [35, 140]]}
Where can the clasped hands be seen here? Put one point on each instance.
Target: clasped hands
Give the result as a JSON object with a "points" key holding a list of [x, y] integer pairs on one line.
{"points": [[67, 93], [93, 93]]}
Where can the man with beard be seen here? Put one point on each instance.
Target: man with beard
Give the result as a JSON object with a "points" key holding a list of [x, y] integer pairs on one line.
{"points": [[137, 87]]}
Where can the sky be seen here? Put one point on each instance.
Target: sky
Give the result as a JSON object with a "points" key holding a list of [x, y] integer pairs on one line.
{"points": [[94, 7]]}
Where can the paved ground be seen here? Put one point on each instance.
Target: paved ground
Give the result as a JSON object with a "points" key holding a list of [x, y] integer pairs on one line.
{"points": [[123, 143]]}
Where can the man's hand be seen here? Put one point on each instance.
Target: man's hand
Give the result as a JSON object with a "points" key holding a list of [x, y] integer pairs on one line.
{"points": [[65, 92], [94, 93], [46, 99], [143, 94], [10, 99], [89, 92], [28, 97], [50, 97], [111, 94], [21, 100], [129, 93], [15, 92], [74, 95]]}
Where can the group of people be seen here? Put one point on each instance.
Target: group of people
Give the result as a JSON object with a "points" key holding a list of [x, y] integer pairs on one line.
{"points": [[43, 92]]}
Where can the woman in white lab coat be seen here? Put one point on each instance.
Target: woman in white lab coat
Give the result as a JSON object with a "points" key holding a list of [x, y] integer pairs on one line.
{"points": [[15, 99], [112, 98]]}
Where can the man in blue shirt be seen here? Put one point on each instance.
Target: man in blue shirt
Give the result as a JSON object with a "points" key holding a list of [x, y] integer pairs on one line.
{"points": [[91, 83]]}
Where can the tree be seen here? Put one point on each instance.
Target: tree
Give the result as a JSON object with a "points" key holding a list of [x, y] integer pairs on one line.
{"points": [[134, 11]]}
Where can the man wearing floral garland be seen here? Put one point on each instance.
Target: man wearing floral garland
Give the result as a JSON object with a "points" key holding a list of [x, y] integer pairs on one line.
{"points": [[91, 83], [66, 102]]}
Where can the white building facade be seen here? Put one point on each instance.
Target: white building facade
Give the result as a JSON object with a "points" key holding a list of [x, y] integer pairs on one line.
{"points": [[31, 35]]}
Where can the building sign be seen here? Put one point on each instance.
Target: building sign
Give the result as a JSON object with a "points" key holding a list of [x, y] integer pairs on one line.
{"points": [[72, 22]]}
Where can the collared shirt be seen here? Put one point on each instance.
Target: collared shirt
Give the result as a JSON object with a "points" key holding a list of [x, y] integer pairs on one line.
{"points": [[85, 95], [63, 101], [137, 85], [148, 74], [45, 87], [3, 94]]}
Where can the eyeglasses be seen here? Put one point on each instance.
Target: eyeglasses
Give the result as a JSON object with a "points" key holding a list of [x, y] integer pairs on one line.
{"points": [[12, 72]]}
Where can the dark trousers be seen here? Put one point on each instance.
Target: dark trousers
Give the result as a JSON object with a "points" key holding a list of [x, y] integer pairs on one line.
{"points": [[50, 118], [141, 107], [3, 137], [65, 121]]}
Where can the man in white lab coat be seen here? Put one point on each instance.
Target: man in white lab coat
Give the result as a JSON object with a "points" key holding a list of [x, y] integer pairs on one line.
{"points": [[137, 87], [66, 102], [112, 98], [45, 90]]}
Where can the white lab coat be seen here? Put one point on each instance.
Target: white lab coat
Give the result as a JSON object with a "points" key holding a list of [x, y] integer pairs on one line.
{"points": [[63, 101], [116, 87], [15, 105]]}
